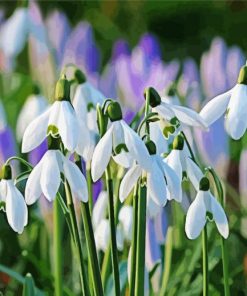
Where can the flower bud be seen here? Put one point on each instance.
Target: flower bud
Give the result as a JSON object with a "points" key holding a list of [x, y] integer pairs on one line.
{"points": [[36, 89], [171, 92], [151, 147], [79, 76], [178, 143], [154, 97], [62, 92], [114, 111], [6, 173], [204, 184], [242, 77]]}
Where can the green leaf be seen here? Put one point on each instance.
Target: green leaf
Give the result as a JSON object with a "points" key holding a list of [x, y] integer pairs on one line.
{"points": [[29, 287], [123, 280]]}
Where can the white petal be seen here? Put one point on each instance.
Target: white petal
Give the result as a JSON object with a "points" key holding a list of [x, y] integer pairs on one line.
{"points": [[136, 147], [68, 126], [236, 119], [33, 188], [54, 114], [102, 235], [120, 237], [153, 209], [50, 175], [102, 154], [219, 217], [129, 181], [157, 185], [173, 183], [16, 208], [216, 107], [79, 103], [125, 217], [99, 209], [3, 190], [174, 161], [164, 111], [124, 159], [194, 173], [35, 133], [196, 216], [76, 180], [158, 138], [188, 116]]}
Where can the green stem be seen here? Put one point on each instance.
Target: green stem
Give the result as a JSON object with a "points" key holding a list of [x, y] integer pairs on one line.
{"points": [[90, 189], [57, 248], [168, 259], [70, 204], [146, 113], [141, 242], [26, 163], [134, 242], [205, 261], [106, 266], [220, 194], [114, 254]]}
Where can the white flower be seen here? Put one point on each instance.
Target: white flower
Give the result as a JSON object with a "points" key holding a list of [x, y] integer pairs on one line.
{"points": [[14, 33], [125, 217], [45, 178], [233, 103], [180, 161], [61, 115], [161, 181], [100, 208], [196, 217], [33, 107], [123, 144], [16, 208], [85, 99]]}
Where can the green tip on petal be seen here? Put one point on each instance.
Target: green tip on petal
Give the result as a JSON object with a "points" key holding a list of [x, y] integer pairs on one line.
{"points": [[114, 111], [154, 97], [151, 147], [242, 76], [80, 76], [178, 143], [53, 142], [204, 184], [62, 91], [6, 173]]}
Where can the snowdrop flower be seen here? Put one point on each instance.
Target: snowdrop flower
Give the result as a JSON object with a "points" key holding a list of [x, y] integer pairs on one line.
{"points": [[125, 218], [233, 103], [14, 32], [15, 206], [203, 205], [180, 161], [45, 178], [169, 111], [34, 106], [162, 181], [59, 119], [84, 102], [120, 142]]}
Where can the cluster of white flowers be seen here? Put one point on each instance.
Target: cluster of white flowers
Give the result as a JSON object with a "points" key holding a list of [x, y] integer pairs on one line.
{"points": [[71, 127]]}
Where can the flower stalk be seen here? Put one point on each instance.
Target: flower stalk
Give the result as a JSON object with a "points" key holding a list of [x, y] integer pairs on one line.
{"points": [[205, 262]]}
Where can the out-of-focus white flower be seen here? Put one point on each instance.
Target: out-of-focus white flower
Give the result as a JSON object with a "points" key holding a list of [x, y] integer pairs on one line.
{"points": [[14, 33], [180, 161], [203, 204], [15, 206], [162, 182], [46, 178], [125, 217], [60, 117], [234, 104], [33, 107], [121, 140], [3, 122]]}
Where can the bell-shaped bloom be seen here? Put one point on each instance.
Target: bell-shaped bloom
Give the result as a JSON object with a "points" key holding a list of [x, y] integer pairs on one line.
{"points": [[34, 106], [45, 178], [14, 33], [180, 161], [205, 204], [61, 115], [84, 102], [234, 104], [125, 218], [15, 206], [161, 181], [120, 142]]}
